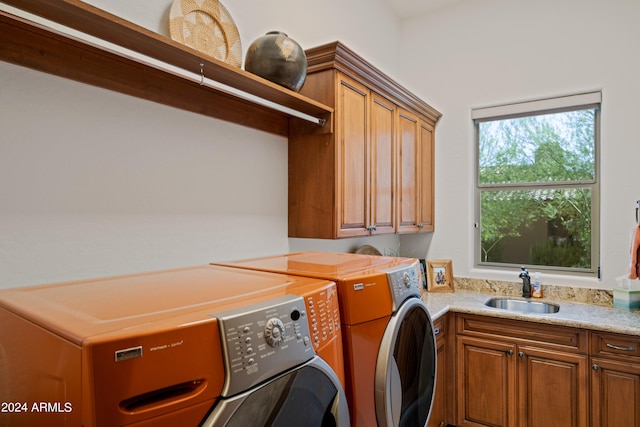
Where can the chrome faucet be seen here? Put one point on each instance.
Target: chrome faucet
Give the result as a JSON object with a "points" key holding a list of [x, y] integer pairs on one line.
{"points": [[526, 283]]}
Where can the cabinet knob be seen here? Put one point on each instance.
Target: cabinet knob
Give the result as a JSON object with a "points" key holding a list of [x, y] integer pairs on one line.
{"points": [[510, 352], [436, 331], [595, 367], [421, 225], [520, 354]]}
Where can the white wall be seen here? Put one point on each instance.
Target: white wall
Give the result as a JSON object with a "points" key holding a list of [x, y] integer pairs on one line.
{"points": [[367, 27], [95, 183], [480, 53]]}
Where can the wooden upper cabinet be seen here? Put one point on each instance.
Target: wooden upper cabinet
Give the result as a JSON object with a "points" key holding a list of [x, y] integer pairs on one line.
{"points": [[366, 156], [352, 181], [383, 161], [426, 176], [353, 149], [415, 175], [408, 173]]}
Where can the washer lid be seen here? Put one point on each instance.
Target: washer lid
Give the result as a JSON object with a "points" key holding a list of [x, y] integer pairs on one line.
{"points": [[324, 265], [84, 309]]}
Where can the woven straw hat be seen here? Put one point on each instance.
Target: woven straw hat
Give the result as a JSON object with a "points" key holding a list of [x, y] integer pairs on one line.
{"points": [[206, 26]]}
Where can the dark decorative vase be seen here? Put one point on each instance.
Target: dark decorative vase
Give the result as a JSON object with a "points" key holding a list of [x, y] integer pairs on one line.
{"points": [[279, 59]]}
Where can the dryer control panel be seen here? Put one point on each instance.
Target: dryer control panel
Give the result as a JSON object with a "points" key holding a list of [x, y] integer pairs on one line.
{"points": [[404, 282], [262, 340]]}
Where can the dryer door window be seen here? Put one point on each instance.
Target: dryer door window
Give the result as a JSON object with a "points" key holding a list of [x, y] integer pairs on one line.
{"points": [[406, 368], [307, 396]]}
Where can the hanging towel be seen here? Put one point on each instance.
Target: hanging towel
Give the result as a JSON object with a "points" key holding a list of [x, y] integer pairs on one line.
{"points": [[635, 253]]}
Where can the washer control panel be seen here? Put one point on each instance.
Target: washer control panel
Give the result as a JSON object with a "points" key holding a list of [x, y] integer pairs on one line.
{"points": [[323, 313], [404, 282], [263, 340]]}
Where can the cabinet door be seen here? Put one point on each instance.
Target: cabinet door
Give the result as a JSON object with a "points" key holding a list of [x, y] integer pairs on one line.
{"points": [[615, 393], [486, 383], [438, 409], [383, 121], [553, 388], [352, 181], [426, 173], [408, 173]]}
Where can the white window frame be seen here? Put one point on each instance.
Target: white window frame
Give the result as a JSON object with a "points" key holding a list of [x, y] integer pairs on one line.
{"points": [[536, 107]]}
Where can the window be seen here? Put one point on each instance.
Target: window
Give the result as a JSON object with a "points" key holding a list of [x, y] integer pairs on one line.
{"points": [[537, 198]]}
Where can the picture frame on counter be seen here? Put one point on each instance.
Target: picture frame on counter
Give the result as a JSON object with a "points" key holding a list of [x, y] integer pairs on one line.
{"points": [[440, 275]]}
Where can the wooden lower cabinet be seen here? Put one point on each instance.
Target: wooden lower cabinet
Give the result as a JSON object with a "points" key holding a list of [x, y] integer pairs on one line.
{"points": [[441, 399], [510, 373], [486, 383], [615, 394], [615, 380], [552, 388], [516, 374]]}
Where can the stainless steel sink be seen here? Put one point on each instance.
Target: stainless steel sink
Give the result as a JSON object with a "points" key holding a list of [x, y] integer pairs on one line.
{"points": [[522, 306]]}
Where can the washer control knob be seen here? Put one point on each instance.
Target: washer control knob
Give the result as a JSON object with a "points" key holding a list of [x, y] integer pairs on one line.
{"points": [[406, 280], [274, 332]]}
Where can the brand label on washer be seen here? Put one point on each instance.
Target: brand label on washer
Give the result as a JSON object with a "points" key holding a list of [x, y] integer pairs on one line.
{"points": [[358, 286]]}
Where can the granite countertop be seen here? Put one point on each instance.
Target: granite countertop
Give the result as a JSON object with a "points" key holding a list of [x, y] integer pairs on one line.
{"points": [[575, 314]]}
